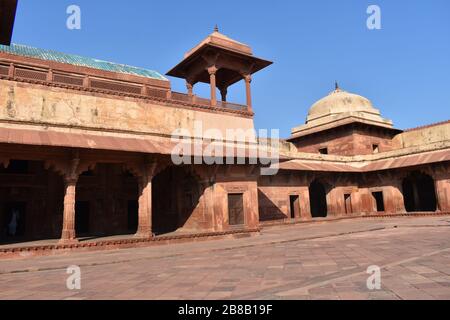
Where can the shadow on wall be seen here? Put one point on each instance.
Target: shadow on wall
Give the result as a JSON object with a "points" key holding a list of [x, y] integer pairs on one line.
{"points": [[419, 192], [106, 202], [175, 196], [268, 210]]}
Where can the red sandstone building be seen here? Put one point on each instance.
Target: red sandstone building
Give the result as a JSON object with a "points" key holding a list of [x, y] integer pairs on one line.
{"points": [[86, 145]]}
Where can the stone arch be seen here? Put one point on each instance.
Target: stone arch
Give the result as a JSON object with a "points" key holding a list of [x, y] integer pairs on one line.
{"points": [[31, 201], [106, 201], [419, 192], [176, 193]]}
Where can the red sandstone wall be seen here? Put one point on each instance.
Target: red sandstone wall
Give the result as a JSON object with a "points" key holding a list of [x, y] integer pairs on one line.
{"points": [[274, 197], [347, 141], [237, 180], [274, 192], [338, 142]]}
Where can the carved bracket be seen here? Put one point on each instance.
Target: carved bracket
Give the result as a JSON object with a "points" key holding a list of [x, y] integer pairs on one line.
{"points": [[70, 168]]}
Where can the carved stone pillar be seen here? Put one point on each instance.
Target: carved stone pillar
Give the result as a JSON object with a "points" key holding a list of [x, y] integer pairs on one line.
{"points": [[443, 194], [70, 174], [248, 81], [212, 80], [145, 202], [223, 93], [190, 88], [68, 232], [12, 70]]}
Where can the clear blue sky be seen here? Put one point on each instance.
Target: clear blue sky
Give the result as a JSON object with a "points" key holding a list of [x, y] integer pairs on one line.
{"points": [[403, 68]]}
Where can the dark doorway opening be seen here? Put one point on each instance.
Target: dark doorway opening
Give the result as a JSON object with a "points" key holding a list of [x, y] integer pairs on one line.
{"points": [[107, 202], [14, 220], [318, 200], [379, 201], [176, 195], [31, 202], [294, 206], [419, 192], [82, 216], [133, 208], [348, 203], [236, 209]]}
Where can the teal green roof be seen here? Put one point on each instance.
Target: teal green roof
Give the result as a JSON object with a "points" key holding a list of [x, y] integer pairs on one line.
{"points": [[50, 55]]}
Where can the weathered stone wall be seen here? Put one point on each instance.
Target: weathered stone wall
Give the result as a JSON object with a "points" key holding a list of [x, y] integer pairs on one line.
{"points": [[47, 106], [346, 141], [422, 136], [237, 180], [274, 196], [275, 192]]}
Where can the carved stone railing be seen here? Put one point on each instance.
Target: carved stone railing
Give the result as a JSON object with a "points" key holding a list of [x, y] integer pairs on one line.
{"points": [[182, 97]]}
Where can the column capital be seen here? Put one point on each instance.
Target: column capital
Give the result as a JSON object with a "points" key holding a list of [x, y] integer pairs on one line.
{"points": [[150, 167], [190, 88], [71, 174], [4, 162], [70, 180], [247, 77], [212, 70]]}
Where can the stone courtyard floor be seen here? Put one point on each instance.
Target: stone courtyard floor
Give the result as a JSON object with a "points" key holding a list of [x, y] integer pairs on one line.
{"points": [[326, 260]]}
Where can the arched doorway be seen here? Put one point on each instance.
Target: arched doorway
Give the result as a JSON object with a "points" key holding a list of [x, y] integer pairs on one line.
{"points": [[31, 202], [106, 202], [318, 200], [176, 195], [419, 192]]}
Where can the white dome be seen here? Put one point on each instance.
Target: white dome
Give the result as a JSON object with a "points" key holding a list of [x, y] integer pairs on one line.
{"points": [[338, 102], [339, 108]]}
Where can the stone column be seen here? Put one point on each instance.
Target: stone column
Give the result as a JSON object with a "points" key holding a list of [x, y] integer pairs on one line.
{"points": [[248, 81], [68, 232], [190, 88], [212, 80], [145, 202], [12, 70], [208, 199], [443, 194], [223, 93]]}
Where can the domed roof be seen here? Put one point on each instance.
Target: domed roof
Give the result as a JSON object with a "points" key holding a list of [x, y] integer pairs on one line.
{"points": [[340, 101], [218, 39], [339, 108]]}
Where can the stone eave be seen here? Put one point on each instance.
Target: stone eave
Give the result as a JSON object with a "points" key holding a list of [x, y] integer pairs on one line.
{"points": [[306, 130], [177, 71], [405, 157]]}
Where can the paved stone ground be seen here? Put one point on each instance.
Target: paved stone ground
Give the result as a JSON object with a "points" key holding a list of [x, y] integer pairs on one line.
{"points": [[327, 260]]}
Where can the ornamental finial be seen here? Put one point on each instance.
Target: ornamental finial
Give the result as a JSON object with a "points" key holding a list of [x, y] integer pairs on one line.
{"points": [[216, 28]]}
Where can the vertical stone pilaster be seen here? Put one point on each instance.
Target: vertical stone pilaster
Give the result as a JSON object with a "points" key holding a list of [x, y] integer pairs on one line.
{"points": [[145, 201], [443, 194], [248, 90], [145, 208], [212, 80], [68, 231]]}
